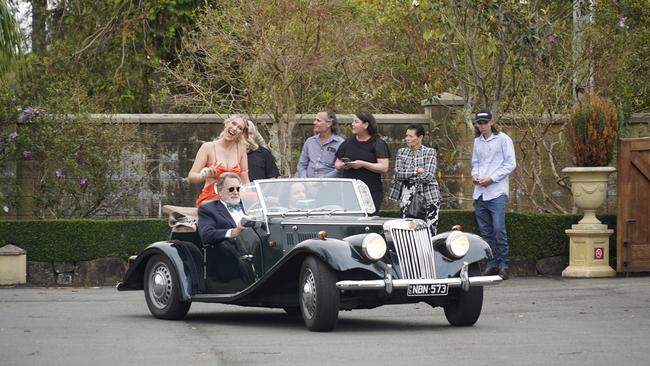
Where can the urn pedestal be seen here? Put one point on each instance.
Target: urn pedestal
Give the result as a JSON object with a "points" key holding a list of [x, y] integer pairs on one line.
{"points": [[589, 238]]}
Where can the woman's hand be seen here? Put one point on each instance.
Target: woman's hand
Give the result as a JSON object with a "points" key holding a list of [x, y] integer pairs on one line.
{"points": [[207, 172]]}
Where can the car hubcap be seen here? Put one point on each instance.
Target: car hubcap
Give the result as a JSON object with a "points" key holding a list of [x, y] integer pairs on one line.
{"points": [[160, 285], [309, 294]]}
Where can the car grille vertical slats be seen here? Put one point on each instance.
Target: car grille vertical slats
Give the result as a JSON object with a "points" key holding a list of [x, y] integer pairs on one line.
{"points": [[414, 252]]}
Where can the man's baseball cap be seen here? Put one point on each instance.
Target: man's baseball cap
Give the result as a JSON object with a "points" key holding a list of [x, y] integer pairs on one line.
{"points": [[483, 115]]}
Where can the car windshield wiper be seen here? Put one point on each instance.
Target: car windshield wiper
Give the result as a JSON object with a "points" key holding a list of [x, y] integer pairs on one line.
{"points": [[293, 210], [327, 211]]}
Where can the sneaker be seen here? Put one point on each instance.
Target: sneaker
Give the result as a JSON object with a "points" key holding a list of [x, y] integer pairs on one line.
{"points": [[504, 273]]}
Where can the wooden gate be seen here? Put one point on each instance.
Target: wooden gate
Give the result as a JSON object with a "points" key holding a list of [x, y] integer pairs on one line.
{"points": [[633, 217]]}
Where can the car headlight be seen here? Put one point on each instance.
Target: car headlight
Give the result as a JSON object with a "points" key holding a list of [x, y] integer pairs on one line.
{"points": [[457, 244], [374, 246]]}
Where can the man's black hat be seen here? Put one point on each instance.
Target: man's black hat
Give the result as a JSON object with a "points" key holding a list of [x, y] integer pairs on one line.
{"points": [[483, 115]]}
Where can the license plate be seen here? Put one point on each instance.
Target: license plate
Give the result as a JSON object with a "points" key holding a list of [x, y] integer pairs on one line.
{"points": [[432, 289]]}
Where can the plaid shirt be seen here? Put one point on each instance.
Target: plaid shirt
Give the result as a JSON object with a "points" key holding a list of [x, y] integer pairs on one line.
{"points": [[406, 164]]}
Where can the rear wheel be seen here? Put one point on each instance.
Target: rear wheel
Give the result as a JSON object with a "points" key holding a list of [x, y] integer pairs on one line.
{"points": [[318, 295], [162, 290], [467, 308]]}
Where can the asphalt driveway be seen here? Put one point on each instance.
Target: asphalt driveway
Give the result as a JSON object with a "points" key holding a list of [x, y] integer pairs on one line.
{"points": [[525, 321]]}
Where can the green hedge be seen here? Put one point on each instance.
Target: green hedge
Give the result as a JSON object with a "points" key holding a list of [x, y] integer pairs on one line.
{"points": [[532, 236], [79, 240]]}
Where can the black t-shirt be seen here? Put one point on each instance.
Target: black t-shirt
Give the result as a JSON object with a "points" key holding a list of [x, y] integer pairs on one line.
{"points": [[370, 151], [261, 164]]}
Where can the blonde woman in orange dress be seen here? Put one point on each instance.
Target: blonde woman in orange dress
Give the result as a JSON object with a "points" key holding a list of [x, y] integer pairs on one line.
{"points": [[228, 153]]}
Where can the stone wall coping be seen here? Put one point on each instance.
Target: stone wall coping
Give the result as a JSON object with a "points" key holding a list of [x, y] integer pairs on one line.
{"points": [[302, 119], [11, 249]]}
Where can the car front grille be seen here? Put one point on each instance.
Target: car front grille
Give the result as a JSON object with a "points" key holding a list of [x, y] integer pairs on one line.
{"points": [[413, 246]]}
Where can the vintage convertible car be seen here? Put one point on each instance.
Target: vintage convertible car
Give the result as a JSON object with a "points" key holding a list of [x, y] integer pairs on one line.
{"points": [[309, 247]]}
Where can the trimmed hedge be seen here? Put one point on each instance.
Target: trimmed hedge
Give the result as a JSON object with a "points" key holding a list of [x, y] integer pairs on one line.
{"points": [[531, 236], [80, 240]]}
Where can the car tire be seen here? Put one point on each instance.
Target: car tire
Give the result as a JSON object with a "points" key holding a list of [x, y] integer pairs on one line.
{"points": [[318, 295], [466, 310], [162, 290]]}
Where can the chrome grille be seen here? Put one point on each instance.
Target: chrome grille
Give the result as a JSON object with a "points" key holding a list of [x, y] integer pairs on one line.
{"points": [[413, 247]]}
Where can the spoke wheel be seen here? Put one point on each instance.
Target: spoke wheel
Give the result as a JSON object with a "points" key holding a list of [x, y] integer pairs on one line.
{"points": [[162, 291], [318, 295]]}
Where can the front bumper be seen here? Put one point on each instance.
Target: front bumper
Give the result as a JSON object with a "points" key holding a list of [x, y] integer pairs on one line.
{"points": [[388, 284]]}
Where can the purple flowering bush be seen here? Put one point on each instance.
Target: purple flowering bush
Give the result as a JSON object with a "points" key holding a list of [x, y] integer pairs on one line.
{"points": [[76, 162]]}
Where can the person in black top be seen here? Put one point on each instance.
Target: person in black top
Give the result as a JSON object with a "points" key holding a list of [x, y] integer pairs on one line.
{"points": [[364, 156], [261, 164]]}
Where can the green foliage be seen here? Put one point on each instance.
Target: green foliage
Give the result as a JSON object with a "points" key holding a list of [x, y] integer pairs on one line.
{"points": [[103, 53], [489, 47], [592, 130], [76, 163], [9, 37], [619, 52], [80, 240]]}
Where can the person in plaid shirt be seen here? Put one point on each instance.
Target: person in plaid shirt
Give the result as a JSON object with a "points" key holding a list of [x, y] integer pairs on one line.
{"points": [[415, 173]]}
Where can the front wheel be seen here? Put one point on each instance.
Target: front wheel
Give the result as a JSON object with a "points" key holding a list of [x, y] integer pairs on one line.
{"points": [[162, 290], [318, 295], [466, 308]]}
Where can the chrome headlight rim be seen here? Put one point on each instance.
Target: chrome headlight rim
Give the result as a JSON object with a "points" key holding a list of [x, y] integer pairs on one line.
{"points": [[457, 244], [374, 246]]}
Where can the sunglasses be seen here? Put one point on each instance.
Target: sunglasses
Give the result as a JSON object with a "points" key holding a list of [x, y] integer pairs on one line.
{"points": [[232, 189]]}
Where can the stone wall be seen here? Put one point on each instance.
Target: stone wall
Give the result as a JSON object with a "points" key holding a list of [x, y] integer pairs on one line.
{"points": [[170, 143], [96, 272]]}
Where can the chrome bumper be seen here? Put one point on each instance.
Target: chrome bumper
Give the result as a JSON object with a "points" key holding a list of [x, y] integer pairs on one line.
{"points": [[388, 283]]}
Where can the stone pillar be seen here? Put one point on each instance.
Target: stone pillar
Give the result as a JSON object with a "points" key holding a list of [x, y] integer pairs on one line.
{"points": [[13, 265], [589, 252], [453, 138]]}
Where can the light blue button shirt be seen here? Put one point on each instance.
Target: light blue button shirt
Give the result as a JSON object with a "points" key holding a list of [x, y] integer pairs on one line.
{"points": [[493, 157], [316, 159]]}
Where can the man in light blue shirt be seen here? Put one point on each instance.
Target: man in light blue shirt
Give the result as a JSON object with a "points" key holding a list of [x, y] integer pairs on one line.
{"points": [[319, 151], [493, 160]]}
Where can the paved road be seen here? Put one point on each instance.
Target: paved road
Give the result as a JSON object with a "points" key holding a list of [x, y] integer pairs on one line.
{"points": [[525, 321]]}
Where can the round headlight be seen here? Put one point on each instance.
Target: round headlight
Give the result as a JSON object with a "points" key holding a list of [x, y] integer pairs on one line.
{"points": [[374, 246], [457, 244]]}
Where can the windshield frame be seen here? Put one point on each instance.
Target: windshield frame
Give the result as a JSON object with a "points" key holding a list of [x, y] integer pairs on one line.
{"points": [[266, 213]]}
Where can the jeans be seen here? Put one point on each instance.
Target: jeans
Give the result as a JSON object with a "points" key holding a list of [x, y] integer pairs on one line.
{"points": [[491, 219]]}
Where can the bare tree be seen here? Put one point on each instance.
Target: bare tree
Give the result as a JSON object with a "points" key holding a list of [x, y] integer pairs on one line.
{"points": [[278, 57]]}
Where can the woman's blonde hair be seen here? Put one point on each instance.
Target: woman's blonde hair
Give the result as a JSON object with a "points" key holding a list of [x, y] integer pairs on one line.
{"points": [[242, 140], [258, 139]]}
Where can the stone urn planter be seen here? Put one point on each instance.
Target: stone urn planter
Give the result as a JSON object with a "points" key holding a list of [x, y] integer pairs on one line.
{"points": [[589, 238], [589, 189]]}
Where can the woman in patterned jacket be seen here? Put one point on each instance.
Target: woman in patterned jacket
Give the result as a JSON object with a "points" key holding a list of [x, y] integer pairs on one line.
{"points": [[415, 174]]}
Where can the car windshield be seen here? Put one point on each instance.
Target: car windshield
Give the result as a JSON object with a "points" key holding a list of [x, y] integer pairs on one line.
{"points": [[301, 196]]}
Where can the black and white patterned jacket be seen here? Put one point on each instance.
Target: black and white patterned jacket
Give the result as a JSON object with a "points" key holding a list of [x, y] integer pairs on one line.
{"points": [[406, 164]]}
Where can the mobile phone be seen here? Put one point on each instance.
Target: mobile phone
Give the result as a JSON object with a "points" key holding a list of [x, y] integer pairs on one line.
{"points": [[345, 160]]}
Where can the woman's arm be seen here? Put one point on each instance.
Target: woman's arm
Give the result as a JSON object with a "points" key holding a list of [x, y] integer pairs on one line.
{"points": [[381, 166], [200, 161], [427, 173], [243, 164], [402, 172]]}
